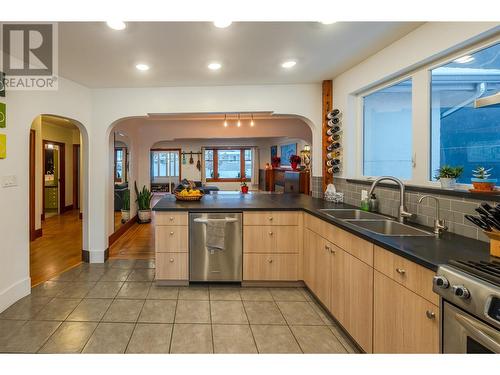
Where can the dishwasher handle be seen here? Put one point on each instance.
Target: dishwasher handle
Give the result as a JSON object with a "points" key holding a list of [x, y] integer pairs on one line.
{"points": [[206, 221]]}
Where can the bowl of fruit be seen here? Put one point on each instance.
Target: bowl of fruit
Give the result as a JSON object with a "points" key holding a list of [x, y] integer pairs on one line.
{"points": [[189, 194]]}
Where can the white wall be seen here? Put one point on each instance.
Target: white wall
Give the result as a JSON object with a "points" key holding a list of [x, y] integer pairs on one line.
{"points": [[72, 101], [427, 43]]}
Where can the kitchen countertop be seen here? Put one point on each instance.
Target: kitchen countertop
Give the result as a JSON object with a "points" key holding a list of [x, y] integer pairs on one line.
{"points": [[426, 251]]}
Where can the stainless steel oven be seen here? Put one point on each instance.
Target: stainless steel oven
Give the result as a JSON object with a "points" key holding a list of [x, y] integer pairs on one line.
{"points": [[462, 333]]}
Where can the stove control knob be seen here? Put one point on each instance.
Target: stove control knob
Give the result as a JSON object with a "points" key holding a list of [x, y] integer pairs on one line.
{"points": [[461, 291], [441, 282]]}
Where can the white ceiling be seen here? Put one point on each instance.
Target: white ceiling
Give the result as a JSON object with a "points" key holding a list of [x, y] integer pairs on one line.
{"points": [[250, 53]]}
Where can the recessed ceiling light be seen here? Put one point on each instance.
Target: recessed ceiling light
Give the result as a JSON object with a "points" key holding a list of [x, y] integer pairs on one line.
{"points": [[214, 66], [116, 25], [327, 22], [142, 67], [464, 59], [222, 24], [289, 64]]}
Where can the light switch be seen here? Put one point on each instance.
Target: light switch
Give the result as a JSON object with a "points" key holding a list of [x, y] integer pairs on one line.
{"points": [[9, 181]]}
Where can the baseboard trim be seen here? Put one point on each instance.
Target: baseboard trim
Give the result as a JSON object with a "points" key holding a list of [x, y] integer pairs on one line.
{"points": [[95, 256], [120, 231], [14, 293], [273, 284], [38, 233], [80, 215], [67, 208]]}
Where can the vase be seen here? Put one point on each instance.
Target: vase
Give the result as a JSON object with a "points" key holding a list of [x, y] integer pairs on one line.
{"points": [[448, 183], [244, 189], [125, 216], [482, 184], [144, 216], [294, 166]]}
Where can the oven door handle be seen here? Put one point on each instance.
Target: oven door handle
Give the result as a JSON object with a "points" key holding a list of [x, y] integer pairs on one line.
{"points": [[206, 221], [479, 333]]}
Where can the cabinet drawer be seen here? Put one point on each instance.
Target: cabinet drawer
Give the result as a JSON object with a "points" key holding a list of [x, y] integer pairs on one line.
{"points": [[412, 276], [171, 239], [171, 266], [171, 218], [271, 218], [271, 239], [273, 267]]}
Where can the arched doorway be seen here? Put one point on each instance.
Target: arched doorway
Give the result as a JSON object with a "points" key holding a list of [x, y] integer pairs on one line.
{"points": [[56, 195]]}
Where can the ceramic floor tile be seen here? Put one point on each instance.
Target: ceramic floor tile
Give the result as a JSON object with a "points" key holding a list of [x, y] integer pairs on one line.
{"points": [[256, 294], [30, 337], [192, 312], [158, 311], [49, 289], [192, 338], [163, 292], [325, 317], [109, 338], [233, 338], [287, 294], [317, 339], [69, 275], [308, 296], [76, 289], [124, 311], [344, 340], [105, 289], [273, 339], [144, 263], [26, 308], [134, 290], [91, 310], [90, 274], [8, 328], [225, 294], [115, 274], [122, 263], [57, 309], [150, 338], [299, 313], [194, 293], [228, 312], [70, 337], [141, 274], [263, 312]]}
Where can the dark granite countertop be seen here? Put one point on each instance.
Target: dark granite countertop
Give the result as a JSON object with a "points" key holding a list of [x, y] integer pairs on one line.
{"points": [[426, 251]]}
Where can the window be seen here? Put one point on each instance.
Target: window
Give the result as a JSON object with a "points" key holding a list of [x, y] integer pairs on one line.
{"points": [[165, 163], [387, 131], [462, 135], [233, 164], [120, 164]]}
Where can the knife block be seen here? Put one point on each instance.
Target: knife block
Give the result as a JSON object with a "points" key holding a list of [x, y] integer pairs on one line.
{"points": [[494, 243]]}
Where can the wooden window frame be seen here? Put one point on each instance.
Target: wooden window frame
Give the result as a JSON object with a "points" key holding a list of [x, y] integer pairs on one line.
{"points": [[124, 164], [178, 150], [216, 164]]}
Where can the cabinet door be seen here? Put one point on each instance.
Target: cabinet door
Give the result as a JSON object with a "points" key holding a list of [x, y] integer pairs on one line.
{"points": [[323, 271], [309, 258], [338, 289], [359, 301], [404, 322], [270, 267], [172, 266]]}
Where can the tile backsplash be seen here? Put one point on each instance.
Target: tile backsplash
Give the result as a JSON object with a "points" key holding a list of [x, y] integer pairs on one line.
{"points": [[452, 209]]}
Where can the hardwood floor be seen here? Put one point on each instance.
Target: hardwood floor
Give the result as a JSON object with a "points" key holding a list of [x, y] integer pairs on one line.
{"points": [[136, 243], [59, 248]]}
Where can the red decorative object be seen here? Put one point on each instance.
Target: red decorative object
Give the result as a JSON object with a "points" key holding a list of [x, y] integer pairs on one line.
{"points": [[244, 189], [295, 161], [276, 161]]}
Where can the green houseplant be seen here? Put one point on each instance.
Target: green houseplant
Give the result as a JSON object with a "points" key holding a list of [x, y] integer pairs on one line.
{"points": [[126, 206], [481, 180], [143, 199], [448, 175]]}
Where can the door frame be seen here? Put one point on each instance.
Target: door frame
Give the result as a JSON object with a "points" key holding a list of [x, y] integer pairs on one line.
{"points": [[34, 233], [76, 176], [62, 176]]}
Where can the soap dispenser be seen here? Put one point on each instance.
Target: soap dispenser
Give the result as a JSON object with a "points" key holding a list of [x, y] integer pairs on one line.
{"points": [[373, 203], [365, 204]]}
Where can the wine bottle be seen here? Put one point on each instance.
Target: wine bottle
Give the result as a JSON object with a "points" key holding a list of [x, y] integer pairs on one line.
{"points": [[333, 138], [334, 121], [333, 130], [333, 113], [333, 162], [333, 146], [333, 170]]}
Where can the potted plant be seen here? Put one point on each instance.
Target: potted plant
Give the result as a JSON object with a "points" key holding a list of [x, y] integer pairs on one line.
{"points": [[244, 187], [144, 204], [126, 206], [295, 161], [276, 161], [481, 180], [448, 175]]}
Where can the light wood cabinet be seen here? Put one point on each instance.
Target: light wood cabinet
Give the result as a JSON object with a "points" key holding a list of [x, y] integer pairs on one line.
{"points": [[270, 267], [172, 239], [271, 239], [271, 218], [172, 266], [403, 322], [170, 218]]}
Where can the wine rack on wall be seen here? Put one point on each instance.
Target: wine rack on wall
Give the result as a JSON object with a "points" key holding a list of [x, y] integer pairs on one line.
{"points": [[327, 97], [333, 133]]}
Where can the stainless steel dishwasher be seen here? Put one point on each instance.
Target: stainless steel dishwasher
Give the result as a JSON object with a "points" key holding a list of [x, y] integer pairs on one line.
{"points": [[215, 247]]}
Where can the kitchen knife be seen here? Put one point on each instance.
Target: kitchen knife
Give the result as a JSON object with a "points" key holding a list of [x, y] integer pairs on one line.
{"points": [[478, 222]]}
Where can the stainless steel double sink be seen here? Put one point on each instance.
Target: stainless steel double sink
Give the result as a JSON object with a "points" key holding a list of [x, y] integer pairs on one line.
{"points": [[375, 223]]}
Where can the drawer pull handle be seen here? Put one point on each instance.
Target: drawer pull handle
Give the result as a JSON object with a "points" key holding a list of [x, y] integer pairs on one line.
{"points": [[171, 218], [171, 260], [270, 218], [270, 260], [171, 233], [270, 233], [332, 251], [401, 271], [328, 248], [430, 314]]}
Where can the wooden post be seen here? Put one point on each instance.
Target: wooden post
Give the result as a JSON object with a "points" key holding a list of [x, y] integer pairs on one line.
{"points": [[327, 99]]}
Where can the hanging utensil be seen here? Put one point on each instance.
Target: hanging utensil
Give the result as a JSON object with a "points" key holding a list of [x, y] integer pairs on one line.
{"points": [[198, 163], [183, 158], [191, 160]]}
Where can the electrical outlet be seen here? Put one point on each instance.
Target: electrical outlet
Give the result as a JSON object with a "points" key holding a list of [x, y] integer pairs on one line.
{"points": [[9, 181]]}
